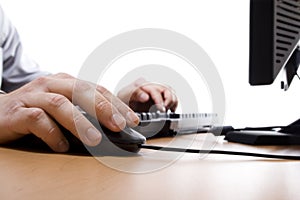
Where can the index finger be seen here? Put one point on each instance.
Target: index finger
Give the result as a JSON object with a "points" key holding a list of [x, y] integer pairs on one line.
{"points": [[156, 96], [88, 96]]}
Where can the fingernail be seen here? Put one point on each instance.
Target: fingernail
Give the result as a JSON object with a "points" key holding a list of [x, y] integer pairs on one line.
{"points": [[63, 146], [119, 121], [144, 97], [93, 135], [162, 107], [133, 117]]}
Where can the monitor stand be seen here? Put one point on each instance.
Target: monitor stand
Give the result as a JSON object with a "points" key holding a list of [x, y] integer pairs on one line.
{"points": [[286, 135], [256, 137]]}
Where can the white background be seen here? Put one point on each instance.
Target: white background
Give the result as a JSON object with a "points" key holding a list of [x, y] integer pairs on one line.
{"points": [[60, 34]]}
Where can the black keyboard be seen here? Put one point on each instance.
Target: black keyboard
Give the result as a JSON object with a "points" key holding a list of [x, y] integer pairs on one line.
{"points": [[158, 124]]}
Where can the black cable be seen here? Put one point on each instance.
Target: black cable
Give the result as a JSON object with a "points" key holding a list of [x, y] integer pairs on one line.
{"points": [[174, 149]]}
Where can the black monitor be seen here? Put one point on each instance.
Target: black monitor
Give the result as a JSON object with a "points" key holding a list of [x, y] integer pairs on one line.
{"points": [[274, 41], [274, 45]]}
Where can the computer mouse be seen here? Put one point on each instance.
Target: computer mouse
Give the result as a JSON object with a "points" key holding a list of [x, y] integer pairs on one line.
{"points": [[113, 143], [125, 142]]}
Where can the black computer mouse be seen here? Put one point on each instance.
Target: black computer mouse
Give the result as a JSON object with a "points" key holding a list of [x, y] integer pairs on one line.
{"points": [[125, 142], [113, 143]]}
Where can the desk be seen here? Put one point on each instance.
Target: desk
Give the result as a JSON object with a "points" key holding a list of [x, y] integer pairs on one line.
{"points": [[31, 175]]}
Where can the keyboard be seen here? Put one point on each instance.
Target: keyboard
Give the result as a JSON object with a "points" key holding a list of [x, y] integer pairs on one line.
{"points": [[158, 124]]}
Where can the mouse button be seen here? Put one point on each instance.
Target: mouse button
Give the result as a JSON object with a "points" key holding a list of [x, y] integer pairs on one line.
{"points": [[126, 136], [132, 135]]}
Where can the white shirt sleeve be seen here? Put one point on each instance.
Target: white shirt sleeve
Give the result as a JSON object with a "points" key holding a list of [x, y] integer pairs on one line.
{"points": [[17, 69]]}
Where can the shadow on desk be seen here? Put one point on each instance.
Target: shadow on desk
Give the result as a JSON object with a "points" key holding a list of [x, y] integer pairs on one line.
{"points": [[31, 143]]}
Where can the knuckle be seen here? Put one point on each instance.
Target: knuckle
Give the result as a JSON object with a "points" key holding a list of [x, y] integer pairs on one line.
{"points": [[41, 80], [76, 123], [82, 86], [57, 101], [102, 89], [35, 114], [63, 75], [77, 118], [136, 94], [38, 83], [103, 105], [11, 111], [51, 131], [119, 105], [13, 107]]}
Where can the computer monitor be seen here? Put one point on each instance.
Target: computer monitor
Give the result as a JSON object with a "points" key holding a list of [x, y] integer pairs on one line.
{"points": [[274, 45], [274, 41]]}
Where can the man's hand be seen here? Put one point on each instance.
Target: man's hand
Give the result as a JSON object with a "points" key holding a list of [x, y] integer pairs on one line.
{"points": [[143, 96], [38, 106]]}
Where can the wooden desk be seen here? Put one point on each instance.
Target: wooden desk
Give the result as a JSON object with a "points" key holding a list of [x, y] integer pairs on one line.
{"points": [[29, 175]]}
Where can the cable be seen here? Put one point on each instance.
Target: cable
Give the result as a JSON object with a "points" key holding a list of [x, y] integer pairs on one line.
{"points": [[174, 149]]}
